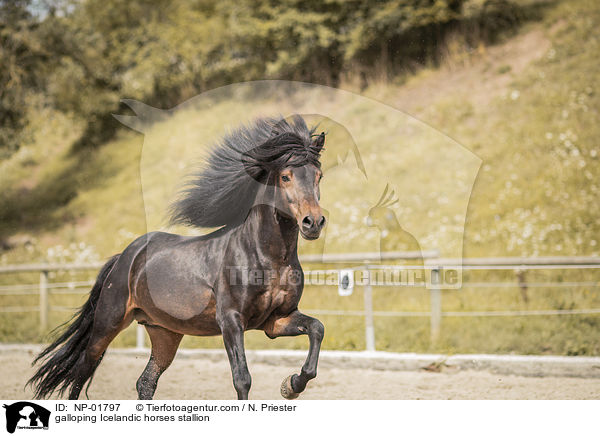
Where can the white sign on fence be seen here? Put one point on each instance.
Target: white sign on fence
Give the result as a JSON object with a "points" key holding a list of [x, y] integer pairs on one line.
{"points": [[346, 282]]}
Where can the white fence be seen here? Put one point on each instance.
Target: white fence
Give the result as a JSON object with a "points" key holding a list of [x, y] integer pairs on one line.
{"points": [[432, 263]]}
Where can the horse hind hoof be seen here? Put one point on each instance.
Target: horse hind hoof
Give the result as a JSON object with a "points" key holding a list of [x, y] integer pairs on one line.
{"points": [[287, 391]]}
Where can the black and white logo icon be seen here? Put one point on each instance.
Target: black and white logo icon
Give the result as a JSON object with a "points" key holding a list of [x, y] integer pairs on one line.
{"points": [[26, 415]]}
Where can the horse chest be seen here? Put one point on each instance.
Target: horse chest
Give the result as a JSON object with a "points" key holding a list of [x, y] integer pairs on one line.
{"points": [[280, 296]]}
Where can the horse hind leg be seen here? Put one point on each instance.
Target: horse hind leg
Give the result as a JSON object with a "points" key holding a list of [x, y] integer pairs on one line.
{"points": [[111, 316], [92, 357], [164, 346], [107, 325]]}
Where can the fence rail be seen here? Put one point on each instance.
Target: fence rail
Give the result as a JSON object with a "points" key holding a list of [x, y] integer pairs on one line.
{"points": [[432, 262]]}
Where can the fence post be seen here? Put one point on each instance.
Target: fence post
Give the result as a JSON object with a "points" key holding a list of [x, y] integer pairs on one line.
{"points": [[140, 337], [368, 297], [522, 283], [43, 301], [435, 304]]}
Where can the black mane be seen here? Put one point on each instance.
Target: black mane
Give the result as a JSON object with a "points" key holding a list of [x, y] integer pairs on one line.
{"points": [[224, 191]]}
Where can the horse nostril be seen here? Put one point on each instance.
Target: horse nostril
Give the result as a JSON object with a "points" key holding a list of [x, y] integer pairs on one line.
{"points": [[308, 222], [321, 222]]}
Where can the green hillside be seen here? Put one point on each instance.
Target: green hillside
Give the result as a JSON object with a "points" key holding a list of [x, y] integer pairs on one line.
{"points": [[521, 114]]}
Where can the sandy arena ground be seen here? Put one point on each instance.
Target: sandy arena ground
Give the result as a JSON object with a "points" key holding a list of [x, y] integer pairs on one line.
{"points": [[196, 378]]}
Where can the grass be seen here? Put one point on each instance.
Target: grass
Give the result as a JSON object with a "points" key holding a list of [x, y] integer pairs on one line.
{"points": [[526, 112]]}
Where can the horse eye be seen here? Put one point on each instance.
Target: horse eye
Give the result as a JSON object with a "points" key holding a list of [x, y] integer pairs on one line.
{"points": [[285, 178]]}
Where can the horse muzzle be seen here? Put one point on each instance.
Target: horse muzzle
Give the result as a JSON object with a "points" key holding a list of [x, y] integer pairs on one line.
{"points": [[311, 226]]}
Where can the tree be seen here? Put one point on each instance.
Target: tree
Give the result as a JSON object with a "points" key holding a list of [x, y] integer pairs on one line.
{"points": [[21, 59]]}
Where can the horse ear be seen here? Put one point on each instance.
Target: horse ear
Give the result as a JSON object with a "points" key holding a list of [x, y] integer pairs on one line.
{"points": [[320, 141]]}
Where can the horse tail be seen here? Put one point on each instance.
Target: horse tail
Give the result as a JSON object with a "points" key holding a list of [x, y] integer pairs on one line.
{"points": [[59, 368]]}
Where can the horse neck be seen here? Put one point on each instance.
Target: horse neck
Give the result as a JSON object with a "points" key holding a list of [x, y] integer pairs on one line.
{"points": [[273, 236]]}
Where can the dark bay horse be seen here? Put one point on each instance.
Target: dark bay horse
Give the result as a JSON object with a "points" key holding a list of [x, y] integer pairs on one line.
{"points": [[260, 184]]}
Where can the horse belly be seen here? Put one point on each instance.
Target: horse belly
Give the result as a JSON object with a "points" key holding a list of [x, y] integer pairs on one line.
{"points": [[185, 311]]}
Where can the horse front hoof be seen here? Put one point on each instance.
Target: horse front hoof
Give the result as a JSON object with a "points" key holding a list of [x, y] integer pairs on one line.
{"points": [[287, 391]]}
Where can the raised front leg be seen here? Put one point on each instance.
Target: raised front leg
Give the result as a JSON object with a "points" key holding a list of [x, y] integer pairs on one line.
{"points": [[233, 337], [296, 324]]}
